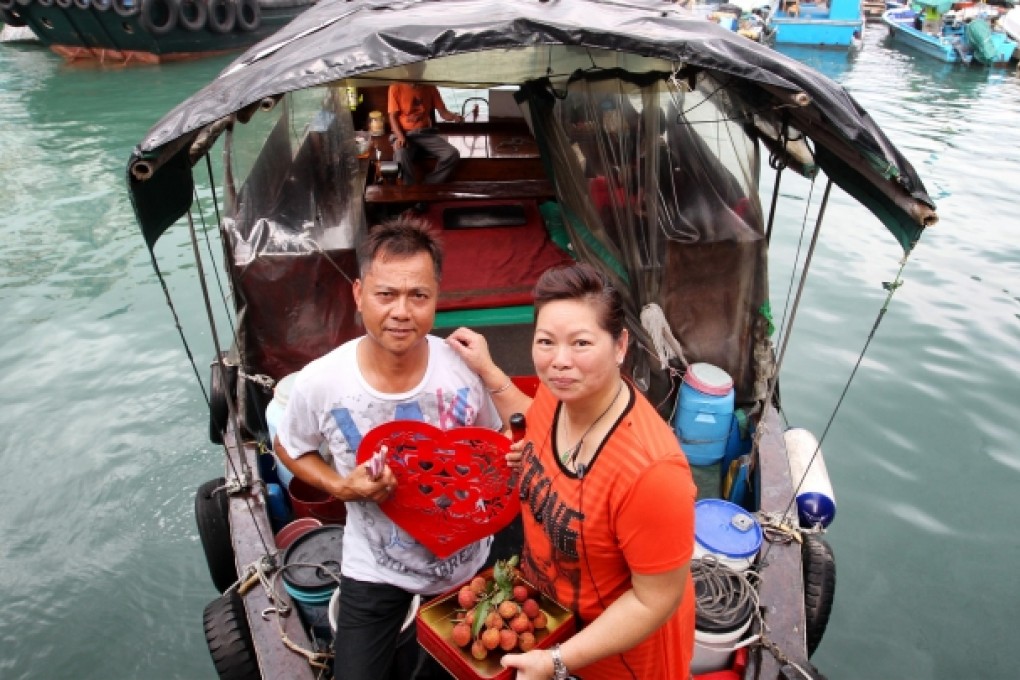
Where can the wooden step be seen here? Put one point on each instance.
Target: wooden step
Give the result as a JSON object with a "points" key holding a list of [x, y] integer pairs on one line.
{"points": [[459, 191]]}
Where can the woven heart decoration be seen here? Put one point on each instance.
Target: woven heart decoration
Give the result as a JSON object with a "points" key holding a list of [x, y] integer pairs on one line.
{"points": [[453, 487]]}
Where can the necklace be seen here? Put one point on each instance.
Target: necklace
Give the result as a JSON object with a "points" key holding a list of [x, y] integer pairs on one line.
{"points": [[571, 453]]}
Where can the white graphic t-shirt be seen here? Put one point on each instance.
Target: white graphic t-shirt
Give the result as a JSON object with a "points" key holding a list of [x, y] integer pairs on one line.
{"points": [[332, 402]]}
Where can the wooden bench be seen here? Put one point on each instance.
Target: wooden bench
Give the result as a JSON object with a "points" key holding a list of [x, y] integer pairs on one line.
{"points": [[539, 189]]}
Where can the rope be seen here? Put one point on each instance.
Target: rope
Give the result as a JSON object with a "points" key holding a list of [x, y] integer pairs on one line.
{"points": [[270, 583], [725, 597], [667, 347]]}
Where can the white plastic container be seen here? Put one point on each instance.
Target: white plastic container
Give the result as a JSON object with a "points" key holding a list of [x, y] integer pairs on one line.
{"points": [[274, 414], [816, 502], [712, 651], [727, 531]]}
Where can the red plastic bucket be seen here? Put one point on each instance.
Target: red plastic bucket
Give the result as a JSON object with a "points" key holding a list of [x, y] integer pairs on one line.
{"points": [[307, 501], [295, 530]]}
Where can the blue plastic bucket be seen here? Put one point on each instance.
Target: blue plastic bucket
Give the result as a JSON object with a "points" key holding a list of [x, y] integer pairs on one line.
{"points": [[311, 573], [703, 417], [726, 531]]}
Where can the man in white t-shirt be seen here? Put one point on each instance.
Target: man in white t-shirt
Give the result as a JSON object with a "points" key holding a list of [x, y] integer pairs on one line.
{"points": [[395, 371]]}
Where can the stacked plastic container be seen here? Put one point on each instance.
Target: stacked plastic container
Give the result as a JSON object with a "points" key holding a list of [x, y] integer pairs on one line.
{"points": [[702, 423]]}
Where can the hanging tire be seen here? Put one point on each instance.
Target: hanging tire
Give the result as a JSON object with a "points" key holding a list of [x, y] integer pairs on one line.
{"points": [[219, 411], [102, 5], [4, 6], [222, 16], [81, 4], [126, 8], [193, 17], [212, 515], [159, 17], [249, 15], [819, 588], [11, 19], [229, 639], [63, 4]]}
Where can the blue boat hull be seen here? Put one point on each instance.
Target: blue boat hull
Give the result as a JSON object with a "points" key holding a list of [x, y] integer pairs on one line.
{"points": [[950, 49], [824, 32]]}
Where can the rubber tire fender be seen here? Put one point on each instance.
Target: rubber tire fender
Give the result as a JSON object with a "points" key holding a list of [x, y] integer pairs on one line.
{"points": [[222, 16], [85, 5], [122, 8], [11, 19], [155, 10], [219, 411], [63, 4], [102, 5], [819, 588], [212, 515], [194, 14], [26, 3], [45, 3], [4, 6], [249, 15], [229, 638]]}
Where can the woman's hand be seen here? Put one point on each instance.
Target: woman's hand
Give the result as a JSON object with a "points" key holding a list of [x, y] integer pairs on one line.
{"points": [[518, 452], [534, 665], [474, 350]]}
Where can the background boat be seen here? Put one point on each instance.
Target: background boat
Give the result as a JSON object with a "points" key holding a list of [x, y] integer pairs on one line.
{"points": [[950, 33], [839, 23], [151, 31]]}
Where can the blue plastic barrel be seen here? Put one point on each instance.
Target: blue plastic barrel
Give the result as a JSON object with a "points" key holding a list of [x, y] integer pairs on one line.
{"points": [[703, 417], [726, 531]]}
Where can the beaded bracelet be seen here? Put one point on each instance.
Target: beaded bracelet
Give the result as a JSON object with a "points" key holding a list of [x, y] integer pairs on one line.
{"points": [[504, 388]]}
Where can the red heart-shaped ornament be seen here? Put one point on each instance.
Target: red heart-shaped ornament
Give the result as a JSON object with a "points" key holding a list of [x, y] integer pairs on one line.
{"points": [[453, 487]]}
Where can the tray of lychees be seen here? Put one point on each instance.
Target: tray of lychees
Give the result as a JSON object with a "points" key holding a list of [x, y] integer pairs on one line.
{"points": [[470, 628]]}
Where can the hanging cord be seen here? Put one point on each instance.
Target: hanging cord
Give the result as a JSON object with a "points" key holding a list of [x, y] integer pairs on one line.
{"points": [[270, 581], [796, 259], [796, 304], [180, 329], [779, 165], [890, 287], [243, 478]]}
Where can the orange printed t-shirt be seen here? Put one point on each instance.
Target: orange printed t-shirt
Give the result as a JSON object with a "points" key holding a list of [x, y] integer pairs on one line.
{"points": [[414, 105], [632, 511]]}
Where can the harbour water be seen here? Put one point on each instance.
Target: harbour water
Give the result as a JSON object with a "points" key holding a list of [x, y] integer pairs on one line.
{"points": [[104, 429]]}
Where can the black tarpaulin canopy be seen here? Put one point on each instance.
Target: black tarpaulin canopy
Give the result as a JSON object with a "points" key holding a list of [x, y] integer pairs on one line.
{"points": [[477, 43]]}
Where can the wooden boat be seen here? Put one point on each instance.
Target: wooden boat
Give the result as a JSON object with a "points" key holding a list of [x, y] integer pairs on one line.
{"points": [[951, 35], [832, 24], [150, 31], [629, 135]]}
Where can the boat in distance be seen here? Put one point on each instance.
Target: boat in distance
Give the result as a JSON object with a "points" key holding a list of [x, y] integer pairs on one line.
{"points": [[151, 31]]}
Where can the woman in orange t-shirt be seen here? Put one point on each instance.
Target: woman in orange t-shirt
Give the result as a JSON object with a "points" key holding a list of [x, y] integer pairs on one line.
{"points": [[607, 495]]}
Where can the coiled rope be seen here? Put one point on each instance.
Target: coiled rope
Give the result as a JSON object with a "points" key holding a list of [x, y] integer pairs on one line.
{"points": [[724, 600]]}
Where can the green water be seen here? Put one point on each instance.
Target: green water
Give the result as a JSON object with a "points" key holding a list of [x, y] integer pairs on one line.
{"points": [[104, 430]]}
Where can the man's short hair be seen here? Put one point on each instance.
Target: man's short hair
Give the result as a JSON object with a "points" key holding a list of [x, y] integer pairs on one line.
{"points": [[401, 236]]}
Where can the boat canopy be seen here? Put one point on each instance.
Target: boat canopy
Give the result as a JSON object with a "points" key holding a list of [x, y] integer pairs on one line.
{"points": [[478, 44]]}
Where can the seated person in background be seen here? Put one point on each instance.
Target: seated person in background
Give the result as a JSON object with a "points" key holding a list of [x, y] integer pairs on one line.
{"points": [[410, 106]]}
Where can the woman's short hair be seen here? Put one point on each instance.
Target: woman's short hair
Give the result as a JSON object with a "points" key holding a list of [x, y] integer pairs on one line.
{"points": [[581, 281], [401, 236]]}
